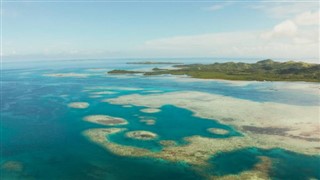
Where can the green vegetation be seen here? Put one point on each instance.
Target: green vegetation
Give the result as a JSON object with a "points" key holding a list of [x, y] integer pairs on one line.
{"points": [[117, 71], [268, 70]]}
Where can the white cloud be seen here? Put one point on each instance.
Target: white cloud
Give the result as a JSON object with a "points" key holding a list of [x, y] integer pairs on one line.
{"points": [[285, 29], [285, 9], [303, 45], [307, 18], [302, 29], [296, 37], [218, 6]]}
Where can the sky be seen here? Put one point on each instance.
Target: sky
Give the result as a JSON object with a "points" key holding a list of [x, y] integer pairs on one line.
{"points": [[160, 29]]}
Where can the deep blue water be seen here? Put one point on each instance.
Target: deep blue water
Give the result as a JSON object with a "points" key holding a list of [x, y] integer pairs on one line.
{"points": [[41, 132]]}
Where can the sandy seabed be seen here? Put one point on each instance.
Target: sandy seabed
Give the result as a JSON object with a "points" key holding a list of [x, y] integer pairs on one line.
{"points": [[79, 105]]}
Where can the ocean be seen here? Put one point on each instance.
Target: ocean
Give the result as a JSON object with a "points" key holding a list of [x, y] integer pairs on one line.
{"points": [[43, 138]]}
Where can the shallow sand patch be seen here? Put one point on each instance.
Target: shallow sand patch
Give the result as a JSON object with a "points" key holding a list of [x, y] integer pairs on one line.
{"points": [[95, 96], [79, 105], [141, 135], [77, 75], [217, 131], [103, 92], [106, 120], [150, 110], [305, 87], [97, 69], [148, 121], [117, 88], [153, 91], [300, 122], [127, 106]]}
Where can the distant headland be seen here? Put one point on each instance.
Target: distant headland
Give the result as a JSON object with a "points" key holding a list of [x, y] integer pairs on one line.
{"points": [[265, 70]]}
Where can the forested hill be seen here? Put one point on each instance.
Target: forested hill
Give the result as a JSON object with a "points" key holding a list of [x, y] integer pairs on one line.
{"points": [[268, 70]]}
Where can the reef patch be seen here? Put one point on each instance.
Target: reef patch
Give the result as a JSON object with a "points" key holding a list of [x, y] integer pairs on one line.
{"points": [[106, 120]]}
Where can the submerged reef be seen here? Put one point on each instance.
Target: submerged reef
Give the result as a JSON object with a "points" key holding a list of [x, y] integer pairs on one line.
{"points": [[264, 125], [12, 166], [167, 143], [79, 105], [106, 120], [141, 135], [197, 151]]}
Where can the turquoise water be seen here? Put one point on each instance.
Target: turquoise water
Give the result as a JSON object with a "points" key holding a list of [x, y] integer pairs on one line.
{"points": [[41, 132], [286, 165], [172, 123]]}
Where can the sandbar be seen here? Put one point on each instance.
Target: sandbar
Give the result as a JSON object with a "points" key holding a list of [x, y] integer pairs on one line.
{"points": [[106, 120], [150, 110], [218, 131], [103, 92], [141, 135]]}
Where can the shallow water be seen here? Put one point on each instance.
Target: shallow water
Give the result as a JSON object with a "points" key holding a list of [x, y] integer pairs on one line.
{"points": [[286, 165], [41, 132]]}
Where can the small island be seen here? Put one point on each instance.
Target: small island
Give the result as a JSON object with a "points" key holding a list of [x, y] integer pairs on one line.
{"points": [[265, 70], [118, 71], [153, 62]]}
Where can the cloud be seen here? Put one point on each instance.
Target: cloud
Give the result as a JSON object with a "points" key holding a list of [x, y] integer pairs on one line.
{"points": [[288, 43], [284, 9], [308, 18], [285, 29], [303, 28], [218, 6]]}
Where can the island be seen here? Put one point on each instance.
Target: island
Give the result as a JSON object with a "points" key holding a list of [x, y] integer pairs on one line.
{"points": [[118, 71], [265, 70]]}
